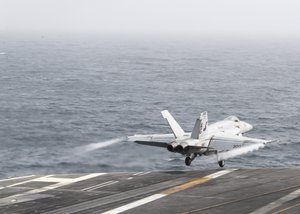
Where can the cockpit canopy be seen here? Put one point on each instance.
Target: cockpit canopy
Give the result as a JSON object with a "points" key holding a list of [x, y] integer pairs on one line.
{"points": [[233, 118]]}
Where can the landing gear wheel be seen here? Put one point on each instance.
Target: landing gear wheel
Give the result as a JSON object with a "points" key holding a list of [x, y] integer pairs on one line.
{"points": [[188, 161], [221, 163]]}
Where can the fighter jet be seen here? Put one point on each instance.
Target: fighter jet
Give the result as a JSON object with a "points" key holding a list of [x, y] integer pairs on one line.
{"points": [[206, 140]]}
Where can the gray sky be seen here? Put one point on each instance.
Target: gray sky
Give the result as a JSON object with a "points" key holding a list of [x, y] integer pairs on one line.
{"points": [[275, 18]]}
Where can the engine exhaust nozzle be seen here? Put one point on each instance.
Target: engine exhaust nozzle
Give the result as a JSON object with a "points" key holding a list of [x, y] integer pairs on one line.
{"points": [[171, 147], [180, 148]]}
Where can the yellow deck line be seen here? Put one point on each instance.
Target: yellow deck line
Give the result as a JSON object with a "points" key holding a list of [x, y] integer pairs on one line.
{"points": [[185, 186], [239, 199], [168, 192]]}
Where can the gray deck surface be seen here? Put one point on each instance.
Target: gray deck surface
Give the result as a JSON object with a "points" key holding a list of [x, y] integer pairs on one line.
{"points": [[235, 191]]}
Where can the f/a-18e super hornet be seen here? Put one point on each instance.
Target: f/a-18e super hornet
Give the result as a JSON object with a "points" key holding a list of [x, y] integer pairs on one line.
{"points": [[216, 138]]}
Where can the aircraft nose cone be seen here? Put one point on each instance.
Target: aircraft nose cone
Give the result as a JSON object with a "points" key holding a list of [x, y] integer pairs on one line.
{"points": [[250, 126], [247, 127]]}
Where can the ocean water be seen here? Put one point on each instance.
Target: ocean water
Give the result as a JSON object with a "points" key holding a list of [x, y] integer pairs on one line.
{"points": [[60, 98]]}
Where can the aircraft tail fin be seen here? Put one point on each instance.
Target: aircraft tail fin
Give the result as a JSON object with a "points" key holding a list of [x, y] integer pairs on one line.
{"points": [[177, 130], [200, 126]]}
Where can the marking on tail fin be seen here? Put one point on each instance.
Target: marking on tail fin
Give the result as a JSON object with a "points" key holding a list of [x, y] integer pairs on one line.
{"points": [[200, 126], [176, 129], [204, 122]]}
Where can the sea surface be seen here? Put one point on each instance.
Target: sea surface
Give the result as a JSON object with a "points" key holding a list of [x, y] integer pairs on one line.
{"points": [[60, 95]]}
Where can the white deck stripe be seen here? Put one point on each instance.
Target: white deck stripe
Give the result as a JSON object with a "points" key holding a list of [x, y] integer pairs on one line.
{"points": [[55, 180], [111, 183], [22, 197], [163, 194], [91, 188], [16, 178], [277, 203], [23, 182], [137, 173], [135, 204], [219, 174], [144, 173], [48, 178]]}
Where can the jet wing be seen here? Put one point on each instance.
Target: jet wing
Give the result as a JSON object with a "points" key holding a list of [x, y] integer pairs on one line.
{"points": [[158, 140], [223, 142]]}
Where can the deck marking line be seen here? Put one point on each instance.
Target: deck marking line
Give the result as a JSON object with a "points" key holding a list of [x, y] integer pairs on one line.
{"points": [[16, 178], [135, 204], [144, 173], [22, 197], [22, 182], [277, 203], [137, 173], [102, 185], [288, 208], [168, 192], [238, 200], [90, 187], [54, 180], [196, 182], [115, 198], [185, 186]]}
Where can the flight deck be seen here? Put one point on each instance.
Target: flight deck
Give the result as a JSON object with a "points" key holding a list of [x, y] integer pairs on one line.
{"points": [[255, 191]]}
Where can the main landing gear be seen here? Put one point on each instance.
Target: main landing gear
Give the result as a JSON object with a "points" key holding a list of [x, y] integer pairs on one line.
{"points": [[188, 159], [221, 163]]}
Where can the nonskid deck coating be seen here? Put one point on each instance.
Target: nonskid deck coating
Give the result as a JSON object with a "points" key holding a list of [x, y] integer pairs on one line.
{"points": [[213, 191]]}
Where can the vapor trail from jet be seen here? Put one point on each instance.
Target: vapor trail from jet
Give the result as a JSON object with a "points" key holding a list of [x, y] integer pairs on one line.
{"points": [[94, 146], [240, 151]]}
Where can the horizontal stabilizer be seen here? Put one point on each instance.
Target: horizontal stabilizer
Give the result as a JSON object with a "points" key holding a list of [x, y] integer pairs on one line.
{"points": [[153, 143], [177, 130]]}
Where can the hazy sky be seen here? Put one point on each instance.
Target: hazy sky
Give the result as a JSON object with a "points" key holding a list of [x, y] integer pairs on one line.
{"points": [[153, 17]]}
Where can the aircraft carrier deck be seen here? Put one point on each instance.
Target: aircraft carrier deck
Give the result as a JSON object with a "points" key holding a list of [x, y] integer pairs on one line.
{"points": [[213, 191]]}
